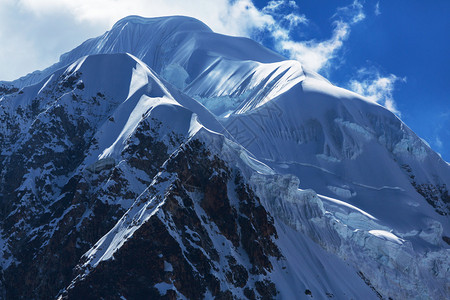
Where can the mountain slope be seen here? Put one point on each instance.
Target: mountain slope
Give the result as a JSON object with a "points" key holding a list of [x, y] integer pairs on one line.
{"points": [[68, 165], [165, 45], [370, 172], [156, 160], [106, 166]]}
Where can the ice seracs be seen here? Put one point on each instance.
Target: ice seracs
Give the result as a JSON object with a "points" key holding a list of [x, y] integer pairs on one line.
{"points": [[250, 171]]}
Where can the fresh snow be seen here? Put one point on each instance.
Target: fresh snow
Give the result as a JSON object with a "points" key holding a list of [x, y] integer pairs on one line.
{"points": [[350, 206]]}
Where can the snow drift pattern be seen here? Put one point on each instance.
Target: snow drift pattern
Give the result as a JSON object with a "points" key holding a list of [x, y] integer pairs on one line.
{"points": [[164, 160]]}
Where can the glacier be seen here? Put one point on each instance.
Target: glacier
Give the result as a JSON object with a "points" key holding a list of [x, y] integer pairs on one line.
{"points": [[159, 120]]}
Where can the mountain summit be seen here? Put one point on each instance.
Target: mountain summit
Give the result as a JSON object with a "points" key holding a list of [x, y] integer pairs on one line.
{"points": [[163, 160]]}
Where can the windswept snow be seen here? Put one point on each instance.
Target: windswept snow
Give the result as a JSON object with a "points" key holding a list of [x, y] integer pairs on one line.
{"points": [[359, 201], [342, 203], [389, 236]]}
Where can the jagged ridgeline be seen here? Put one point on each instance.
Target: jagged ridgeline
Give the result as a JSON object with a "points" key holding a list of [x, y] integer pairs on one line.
{"points": [[164, 161]]}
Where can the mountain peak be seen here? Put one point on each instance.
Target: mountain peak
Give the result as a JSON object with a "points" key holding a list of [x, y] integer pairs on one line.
{"points": [[164, 42], [180, 23], [222, 168]]}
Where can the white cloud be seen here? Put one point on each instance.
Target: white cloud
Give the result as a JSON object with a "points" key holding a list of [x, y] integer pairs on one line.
{"points": [[441, 134], [277, 11], [277, 5], [377, 9], [295, 20], [222, 15], [316, 55], [273, 6], [293, 4], [376, 87], [351, 14], [34, 33], [313, 54], [438, 143], [31, 40]]}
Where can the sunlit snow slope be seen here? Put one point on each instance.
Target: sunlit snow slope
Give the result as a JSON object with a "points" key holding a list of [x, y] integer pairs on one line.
{"points": [[360, 203]]}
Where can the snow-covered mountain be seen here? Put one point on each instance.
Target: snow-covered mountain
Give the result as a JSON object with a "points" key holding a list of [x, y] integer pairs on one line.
{"points": [[163, 160]]}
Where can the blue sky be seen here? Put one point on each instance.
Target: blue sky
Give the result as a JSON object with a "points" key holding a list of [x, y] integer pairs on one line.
{"points": [[407, 43], [394, 52]]}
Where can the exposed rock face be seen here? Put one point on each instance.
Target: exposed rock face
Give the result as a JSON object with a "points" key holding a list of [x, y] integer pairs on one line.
{"points": [[209, 232], [117, 184], [7, 89], [187, 244], [54, 207], [437, 195]]}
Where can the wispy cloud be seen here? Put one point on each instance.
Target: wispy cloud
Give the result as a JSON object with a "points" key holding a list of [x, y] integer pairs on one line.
{"points": [[295, 20], [441, 133], [351, 14], [284, 22], [35, 33], [438, 142], [273, 6], [376, 87], [377, 9], [317, 54]]}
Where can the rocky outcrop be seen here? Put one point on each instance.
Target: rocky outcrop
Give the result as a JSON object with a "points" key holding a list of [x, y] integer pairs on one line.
{"points": [[115, 184], [436, 194], [54, 206], [191, 245], [59, 200], [7, 89]]}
